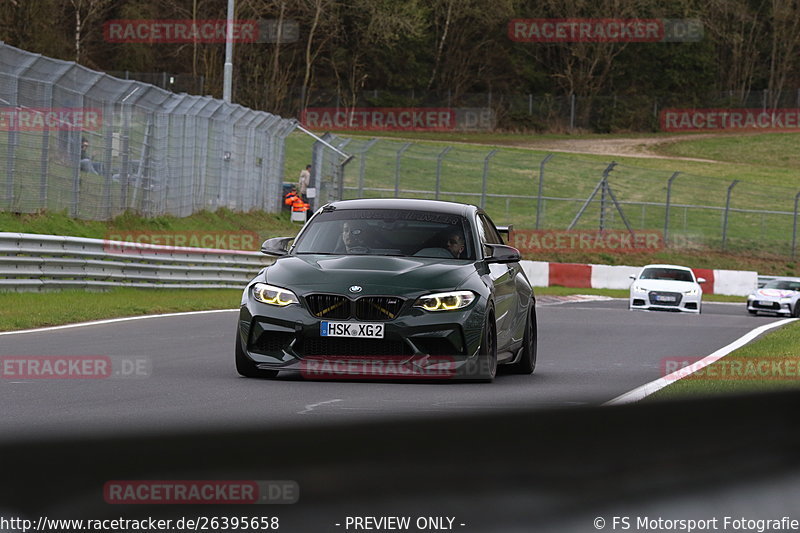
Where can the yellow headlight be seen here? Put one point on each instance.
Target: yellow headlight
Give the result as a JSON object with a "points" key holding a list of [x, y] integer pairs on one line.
{"points": [[445, 301], [271, 295]]}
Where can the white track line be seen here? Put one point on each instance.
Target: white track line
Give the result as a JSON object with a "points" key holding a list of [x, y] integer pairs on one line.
{"points": [[647, 389], [112, 321]]}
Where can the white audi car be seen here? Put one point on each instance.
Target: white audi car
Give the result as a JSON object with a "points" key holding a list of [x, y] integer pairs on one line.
{"points": [[667, 288], [780, 296]]}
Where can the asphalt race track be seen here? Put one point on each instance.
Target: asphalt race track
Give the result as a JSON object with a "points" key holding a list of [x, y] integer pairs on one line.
{"points": [[589, 353]]}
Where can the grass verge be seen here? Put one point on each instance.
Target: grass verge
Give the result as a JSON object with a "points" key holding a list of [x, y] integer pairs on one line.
{"points": [[34, 310], [264, 224], [768, 159], [767, 364]]}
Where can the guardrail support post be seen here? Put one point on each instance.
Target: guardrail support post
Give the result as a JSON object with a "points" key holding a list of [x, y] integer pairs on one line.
{"points": [[727, 210]]}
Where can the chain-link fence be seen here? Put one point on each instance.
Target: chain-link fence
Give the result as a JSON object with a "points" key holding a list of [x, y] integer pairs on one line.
{"points": [[535, 191], [95, 146], [550, 112]]}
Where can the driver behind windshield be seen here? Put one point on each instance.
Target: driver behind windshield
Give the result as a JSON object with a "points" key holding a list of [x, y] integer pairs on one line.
{"points": [[455, 244], [353, 235]]}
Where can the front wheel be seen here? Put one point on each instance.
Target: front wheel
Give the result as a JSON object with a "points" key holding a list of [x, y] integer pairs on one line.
{"points": [[488, 351], [796, 310], [246, 367], [527, 360]]}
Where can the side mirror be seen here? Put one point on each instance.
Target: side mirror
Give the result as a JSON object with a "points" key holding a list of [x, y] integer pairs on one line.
{"points": [[500, 253], [701, 280], [632, 277], [276, 246]]}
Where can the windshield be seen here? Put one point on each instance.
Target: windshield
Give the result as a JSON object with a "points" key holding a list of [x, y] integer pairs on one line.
{"points": [[387, 232], [783, 285], [673, 274]]}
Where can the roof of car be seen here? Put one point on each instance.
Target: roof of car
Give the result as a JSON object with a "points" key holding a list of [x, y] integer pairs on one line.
{"points": [[452, 208], [667, 266]]}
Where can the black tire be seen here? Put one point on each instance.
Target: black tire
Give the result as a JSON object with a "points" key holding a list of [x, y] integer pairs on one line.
{"points": [[488, 351], [246, 367], [752, 312], [527, 360], [796, 310]]}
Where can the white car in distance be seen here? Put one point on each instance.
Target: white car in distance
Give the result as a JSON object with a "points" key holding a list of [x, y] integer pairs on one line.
{"points": [[780, 296], [667, 288]]}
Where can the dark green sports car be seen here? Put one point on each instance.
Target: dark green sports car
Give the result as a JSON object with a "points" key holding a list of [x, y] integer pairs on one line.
{"points": [[389, 288]]}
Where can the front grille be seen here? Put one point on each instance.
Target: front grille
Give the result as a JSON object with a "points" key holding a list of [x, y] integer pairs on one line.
{"points": [[378, 307], [655, 298], [338, 307], [767, 305], [351, 347], [329, 306]]}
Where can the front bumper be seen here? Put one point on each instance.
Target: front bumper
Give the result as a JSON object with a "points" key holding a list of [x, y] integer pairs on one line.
{"points": [[768, 305], [665, 301], [416, 344]]}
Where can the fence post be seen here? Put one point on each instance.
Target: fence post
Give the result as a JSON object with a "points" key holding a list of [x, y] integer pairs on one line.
{"points": [[439, 159], [397, 169], [486, 177], [541, 187], [572, 111], [603, 190], [727, 210], [10, 149], [362, 166], [666, 207], [339, 170], [794, 225]]}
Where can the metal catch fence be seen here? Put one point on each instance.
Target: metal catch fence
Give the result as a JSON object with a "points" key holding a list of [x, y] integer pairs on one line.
{"points": [[95, 146]]}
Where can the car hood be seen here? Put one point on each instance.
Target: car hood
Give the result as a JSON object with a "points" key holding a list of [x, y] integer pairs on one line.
{"points": [[667, 285], [375, 274], [774, 294]]}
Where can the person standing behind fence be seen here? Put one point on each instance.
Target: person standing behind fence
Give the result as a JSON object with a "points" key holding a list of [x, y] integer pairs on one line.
{"points": [[87, 164], [303, 182]]}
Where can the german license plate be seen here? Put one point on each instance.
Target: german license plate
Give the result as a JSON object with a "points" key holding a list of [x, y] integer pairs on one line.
{"points": [[764, 303], [661, 298], [351, 329]]}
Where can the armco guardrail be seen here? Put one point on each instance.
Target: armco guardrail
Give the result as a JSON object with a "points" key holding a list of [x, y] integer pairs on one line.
{"points": [[30, 262]]}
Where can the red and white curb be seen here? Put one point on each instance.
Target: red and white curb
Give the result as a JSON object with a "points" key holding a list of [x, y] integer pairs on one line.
{"points": [[544, 274]]}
